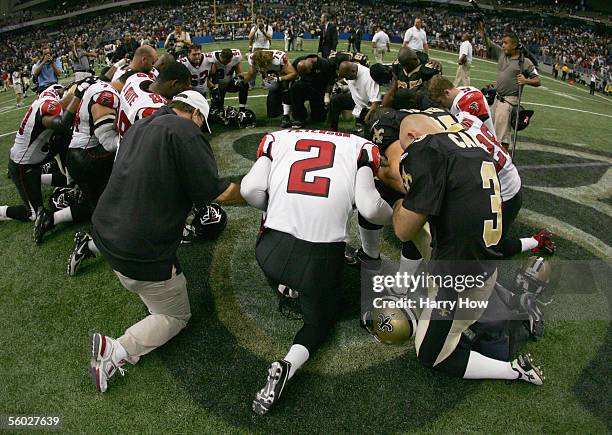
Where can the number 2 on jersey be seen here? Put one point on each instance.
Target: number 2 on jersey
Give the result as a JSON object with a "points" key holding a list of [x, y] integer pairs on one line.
{"points": [[319, 186], [492, 228]]}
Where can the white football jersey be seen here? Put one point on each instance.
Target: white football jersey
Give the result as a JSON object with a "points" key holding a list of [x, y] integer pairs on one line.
{"points": [[225, 72], [199, 73], [279, 60], [508, 175], [471, 100], [136, 102], [312, 181], [99, 93], [120, 72], [31, 142]]}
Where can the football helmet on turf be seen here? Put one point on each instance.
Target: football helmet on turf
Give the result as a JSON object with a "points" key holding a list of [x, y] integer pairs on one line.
{"points": [[230, 116], [390, 325], [64, 197], [207, 223], [534, 276], [246, 118]]}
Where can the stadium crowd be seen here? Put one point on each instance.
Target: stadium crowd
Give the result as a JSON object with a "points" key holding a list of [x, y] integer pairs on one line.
{"points": [[578, 48]]}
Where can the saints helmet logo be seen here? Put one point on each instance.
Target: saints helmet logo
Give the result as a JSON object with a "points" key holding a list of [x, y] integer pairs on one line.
{"points": [[384, 323], [407, 179]]}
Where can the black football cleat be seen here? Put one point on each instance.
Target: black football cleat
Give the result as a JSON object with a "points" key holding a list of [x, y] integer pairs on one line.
{"points": [[545, 243], [527, 371], [80, 252], [286, 121], [42, 224], [297, 124], [278, 374]]}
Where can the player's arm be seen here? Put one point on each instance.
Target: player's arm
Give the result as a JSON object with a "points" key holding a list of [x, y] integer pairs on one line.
{"points": [[289, 73], [248, 76], [267, 34], [406, 223], [238, 68], [56, 68], [390, 173], [367, 199], [462, 59], [390, 94], [104, 126], [254, 185], [50, 111]]}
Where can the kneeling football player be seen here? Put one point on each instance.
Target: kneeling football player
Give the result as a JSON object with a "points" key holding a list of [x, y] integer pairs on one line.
{"points": [[303, 239]]}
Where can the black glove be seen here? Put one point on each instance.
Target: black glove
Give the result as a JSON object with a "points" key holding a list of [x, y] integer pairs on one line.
{"points": [[83, 85]]}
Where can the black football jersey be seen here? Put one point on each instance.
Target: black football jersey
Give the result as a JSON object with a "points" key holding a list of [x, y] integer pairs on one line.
{"points": [[385, 130], [337, 57], [416, 77], [451, 178]]}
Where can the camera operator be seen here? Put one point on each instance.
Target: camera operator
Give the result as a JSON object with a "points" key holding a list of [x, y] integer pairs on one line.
{"points": [[47, 70], [178, 40], [261, 35], [513, 71], [81, 63]]}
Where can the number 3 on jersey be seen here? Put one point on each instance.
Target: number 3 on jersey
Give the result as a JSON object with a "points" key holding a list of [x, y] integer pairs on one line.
{"points": [[492, 228], [319, 186]]}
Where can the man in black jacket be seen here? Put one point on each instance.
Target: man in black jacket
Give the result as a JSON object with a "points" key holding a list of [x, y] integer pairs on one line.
{"points": [[329, 36], [163, 167], [126, 49], [317, 76]]}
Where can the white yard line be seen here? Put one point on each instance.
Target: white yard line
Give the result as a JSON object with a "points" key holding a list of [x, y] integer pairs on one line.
{"points": [[8, 134]]}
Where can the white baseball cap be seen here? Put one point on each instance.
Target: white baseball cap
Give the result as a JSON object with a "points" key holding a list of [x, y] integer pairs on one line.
{"points": [[197, 101]]}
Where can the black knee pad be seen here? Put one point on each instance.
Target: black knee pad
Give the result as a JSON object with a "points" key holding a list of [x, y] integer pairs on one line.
{"points": [[410, 251]]}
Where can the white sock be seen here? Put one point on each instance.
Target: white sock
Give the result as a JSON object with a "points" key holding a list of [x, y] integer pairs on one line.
{"points": [[297, 356], [63, 215], [46, 179], [92, 247], [243, 106], [286, 109], [408, 266], [3, 216], [120, 352], [528, 244], [370, 241], [482, 367]]}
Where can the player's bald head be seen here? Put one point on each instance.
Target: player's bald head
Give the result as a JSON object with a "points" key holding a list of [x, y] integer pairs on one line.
{"points": [[408, 58], [347, 70], [415, 126], [145, 57]]}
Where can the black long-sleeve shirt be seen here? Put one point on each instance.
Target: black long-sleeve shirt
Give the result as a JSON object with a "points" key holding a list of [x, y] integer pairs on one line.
{"points": [[164, 165]]}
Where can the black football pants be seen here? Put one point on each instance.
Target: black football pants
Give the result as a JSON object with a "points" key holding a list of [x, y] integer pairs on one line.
{"points": [[510, 210], [243, 91], [91, 169], [315, 270], [301, 92], [276, 99]]}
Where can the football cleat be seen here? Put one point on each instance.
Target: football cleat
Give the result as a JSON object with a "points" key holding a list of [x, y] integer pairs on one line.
{"points": [[526, 370], [350, 256], [103, 363], [42, 224], [278, 374], [80, 252], [297, 124], [545, 242], [286, 121]]}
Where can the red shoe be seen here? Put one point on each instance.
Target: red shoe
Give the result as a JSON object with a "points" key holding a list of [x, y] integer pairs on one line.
{"points": [[545, 242]]}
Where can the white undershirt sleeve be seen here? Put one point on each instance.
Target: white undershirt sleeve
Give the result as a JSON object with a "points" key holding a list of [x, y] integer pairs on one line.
{"points": [[254, 185], [368, 201]]}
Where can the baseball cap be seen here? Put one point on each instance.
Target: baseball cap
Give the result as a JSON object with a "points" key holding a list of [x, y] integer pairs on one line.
{"points": [[197, 101]]}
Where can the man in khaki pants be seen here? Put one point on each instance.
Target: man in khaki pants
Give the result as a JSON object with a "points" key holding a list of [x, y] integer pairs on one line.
{"points": [[465, 62], [163, 167], [513, 71]]}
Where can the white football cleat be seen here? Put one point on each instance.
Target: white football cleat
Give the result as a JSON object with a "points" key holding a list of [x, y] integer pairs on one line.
{"points": [[527, 371]]}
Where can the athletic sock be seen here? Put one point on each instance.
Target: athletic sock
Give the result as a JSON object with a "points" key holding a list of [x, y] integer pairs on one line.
{"points": [[482, 367], [528, 243], [286, 109], [370, 241], [3, 216], [297, 356], [63, 215], [46, 179], [92, 247]]}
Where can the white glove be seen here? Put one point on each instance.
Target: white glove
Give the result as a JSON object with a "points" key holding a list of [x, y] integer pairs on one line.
{"points": [[120, 64]]}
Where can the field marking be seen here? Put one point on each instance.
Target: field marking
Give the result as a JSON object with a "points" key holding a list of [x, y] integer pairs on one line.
{"points": [[14, 108], [8, 134], [564, 165], [567, 108]]}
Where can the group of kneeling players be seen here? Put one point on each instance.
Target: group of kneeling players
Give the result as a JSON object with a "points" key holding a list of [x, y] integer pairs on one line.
{"points": [[424, 158]]}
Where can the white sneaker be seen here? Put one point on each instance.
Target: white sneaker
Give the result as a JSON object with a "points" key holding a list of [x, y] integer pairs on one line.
{"points": [[527, 371], [104, 363]]}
